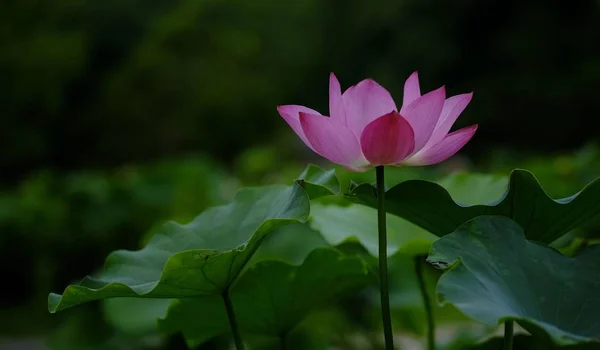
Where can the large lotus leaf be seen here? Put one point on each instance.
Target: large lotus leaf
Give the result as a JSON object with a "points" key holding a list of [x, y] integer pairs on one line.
{"points": [[290, 244], [319, 182], [522, 341], [496, 274], [200, 258], [473, 188], [355, 222], [271, 297], [430, 206]]}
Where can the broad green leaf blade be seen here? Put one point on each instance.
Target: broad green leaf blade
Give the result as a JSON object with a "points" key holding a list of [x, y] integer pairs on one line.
{"points": [[431, 207], [290, 244], [350, 222], [201, 258], [293, 290], [319, 182], [522, 341], [473, 188], [496, 274], [271, 297]]}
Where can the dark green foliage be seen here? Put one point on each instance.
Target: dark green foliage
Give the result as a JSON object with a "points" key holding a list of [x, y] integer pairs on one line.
{"points": [[104, 82]]}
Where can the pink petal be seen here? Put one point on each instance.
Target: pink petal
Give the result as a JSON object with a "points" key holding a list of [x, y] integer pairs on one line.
{"points": [[412, 91], [387, 140], [444, 149], [423, 115], [453, 107], [291, 114], [365, 102], [333, 140], [336, 104]]}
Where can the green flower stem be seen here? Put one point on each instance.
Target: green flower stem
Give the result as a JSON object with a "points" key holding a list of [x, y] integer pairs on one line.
{"points": [[235, 331], [283, 342], [383, 274], [508, 334], [419, 270]]}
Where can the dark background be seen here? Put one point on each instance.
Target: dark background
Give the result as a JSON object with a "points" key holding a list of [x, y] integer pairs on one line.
{"points": [[103, 83], [119, 114]]}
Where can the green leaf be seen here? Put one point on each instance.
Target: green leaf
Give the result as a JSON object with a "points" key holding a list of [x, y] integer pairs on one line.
{"points": [[201, 258], [271, 297], [472, 188], [355, 222], [277, 295], [319, 182], [432, 207], [522, 341], [291, 244], [495, 273]]}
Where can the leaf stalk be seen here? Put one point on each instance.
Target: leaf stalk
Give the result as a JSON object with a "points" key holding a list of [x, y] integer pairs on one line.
{"points": [[235, 331], [508, 334], [419, 270]]}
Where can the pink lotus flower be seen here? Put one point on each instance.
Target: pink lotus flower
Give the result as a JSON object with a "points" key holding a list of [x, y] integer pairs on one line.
{"points": [[365, 129]]}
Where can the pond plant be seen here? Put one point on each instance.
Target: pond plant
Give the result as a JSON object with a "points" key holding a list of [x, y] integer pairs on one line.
{"points": [[261, 265]]}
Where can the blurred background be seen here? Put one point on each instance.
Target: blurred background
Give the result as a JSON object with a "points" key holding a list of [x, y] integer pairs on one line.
{"points": [[117, 115]]}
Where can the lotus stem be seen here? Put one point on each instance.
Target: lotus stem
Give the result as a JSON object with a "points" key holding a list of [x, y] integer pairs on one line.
{"points": [[383, 271], [508, 334], [283, 341], [235, 331], [419, 269]]}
